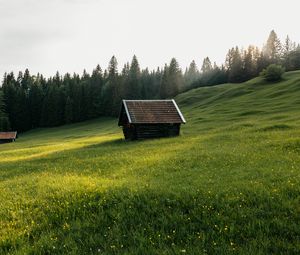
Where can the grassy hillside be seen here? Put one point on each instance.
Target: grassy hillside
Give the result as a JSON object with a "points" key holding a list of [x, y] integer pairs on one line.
{"points": [[230, 184]]}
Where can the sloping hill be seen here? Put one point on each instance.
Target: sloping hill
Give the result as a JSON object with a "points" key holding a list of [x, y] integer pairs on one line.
{"points": [[229, 184], [252, 100]]}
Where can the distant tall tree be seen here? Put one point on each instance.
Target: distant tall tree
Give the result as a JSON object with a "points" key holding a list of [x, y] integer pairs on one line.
{"points": [[145, 84], [191, 74], [288, 46], [272, 49], [124, 80], [111, 90], [256, 59], [53, 106], [249, 63], [234, 65], [150, 81], [288, 54], [133, 86], [1, 104], [69, 111], [17, 103], [4, 122], [262, 62], [22, 111], [96, 91], [206, 66], [164, 85], [26, 80], [172, 80], [35, 102], [217, 75], [10, 97], [77, 101], [175, 78]]}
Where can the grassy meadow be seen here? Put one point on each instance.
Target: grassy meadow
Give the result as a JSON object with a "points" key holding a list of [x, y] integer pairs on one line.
{"points": [[230, 184]]}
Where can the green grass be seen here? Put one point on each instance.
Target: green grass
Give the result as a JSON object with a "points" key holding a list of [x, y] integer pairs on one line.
{"points": [[230, 184]]}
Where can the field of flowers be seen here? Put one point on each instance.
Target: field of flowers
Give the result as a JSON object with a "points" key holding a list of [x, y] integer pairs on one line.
{"points": [[230, 184]]}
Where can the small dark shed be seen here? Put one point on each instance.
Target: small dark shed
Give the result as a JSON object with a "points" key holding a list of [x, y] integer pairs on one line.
{"points": [[142, 119], [8, 137]]}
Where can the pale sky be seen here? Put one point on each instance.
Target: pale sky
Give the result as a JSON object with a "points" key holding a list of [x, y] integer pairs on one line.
{"points": [[70, 35]]}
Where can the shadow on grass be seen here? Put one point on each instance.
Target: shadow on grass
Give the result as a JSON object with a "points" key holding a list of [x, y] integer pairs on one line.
{"points": [[277, 127]]}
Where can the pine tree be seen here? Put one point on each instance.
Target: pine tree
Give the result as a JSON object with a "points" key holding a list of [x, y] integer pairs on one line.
{"points": [[22, 111], [234, 65], [4, 122], [249, 63], [191, 74], [288, 46], [206, 66], [272, 49], [9, 97], [164, 85], [111, 90], [96, 92], [53, 106], [133, 86], [77, 101], [35, 103], [175, 78], [256, 59], [288, 51], [124, 80], [69, 111], [146, 81], [172, 80], [26, 80]]}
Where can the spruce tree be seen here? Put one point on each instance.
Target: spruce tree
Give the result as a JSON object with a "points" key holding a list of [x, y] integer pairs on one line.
{"points": [[4, 122], [172, 80], [206, 66], [272, 49], [133, 89], [164, 85], [191, 74], [10, 97], [111, 90], [96, 84], [69, 111], [26, 80], [249, 64], [234, 65], [175, 82], [22, 111], [35, 103]]}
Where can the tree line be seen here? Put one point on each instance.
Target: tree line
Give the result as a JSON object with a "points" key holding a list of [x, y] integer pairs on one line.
{"points": [[34, 101], [30, 101], [243, 64]]}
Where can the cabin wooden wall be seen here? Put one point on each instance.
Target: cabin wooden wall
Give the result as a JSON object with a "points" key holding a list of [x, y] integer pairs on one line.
{"points": [[145, 131], [6, 140]]}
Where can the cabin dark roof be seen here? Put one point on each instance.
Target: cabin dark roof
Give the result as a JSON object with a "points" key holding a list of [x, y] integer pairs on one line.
{"points": [[151, 111], [8, 135]]}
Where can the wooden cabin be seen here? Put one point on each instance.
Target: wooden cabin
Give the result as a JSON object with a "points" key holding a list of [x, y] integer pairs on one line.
{"points": [[143, 119], [8, 137]]}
